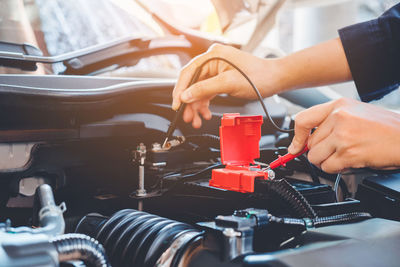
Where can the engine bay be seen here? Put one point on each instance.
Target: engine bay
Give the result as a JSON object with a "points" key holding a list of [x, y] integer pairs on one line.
{"points": [[206, 198]]}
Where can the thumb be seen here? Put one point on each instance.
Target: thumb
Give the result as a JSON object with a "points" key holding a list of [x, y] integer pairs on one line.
{"points": [[305, 121], [208, 88]]}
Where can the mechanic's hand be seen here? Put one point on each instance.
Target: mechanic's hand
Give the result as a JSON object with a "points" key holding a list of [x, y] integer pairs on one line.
{"points": [[218, 77], [349, 134]]}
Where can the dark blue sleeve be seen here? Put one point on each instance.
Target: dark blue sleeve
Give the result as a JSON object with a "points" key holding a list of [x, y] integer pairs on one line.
{"points": [[372, 49]]}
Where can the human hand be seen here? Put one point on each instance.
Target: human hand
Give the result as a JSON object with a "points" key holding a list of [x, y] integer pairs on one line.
{"points": [[349, 134], [218, 77]]}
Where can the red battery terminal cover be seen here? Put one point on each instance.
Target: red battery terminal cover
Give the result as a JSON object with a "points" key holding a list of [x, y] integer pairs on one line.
{"points": [[239, 140]]}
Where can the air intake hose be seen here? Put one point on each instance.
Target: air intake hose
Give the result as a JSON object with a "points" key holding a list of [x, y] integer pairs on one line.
{"points": [[135, 238]]}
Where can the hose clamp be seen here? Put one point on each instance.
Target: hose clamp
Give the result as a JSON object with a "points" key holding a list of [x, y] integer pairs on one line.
{"points": [[51, 210], [168, 256]]}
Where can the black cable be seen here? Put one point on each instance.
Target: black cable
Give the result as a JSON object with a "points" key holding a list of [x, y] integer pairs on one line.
{"points": [[193, 175], [340, 218], [181, 177], [313, 174], [321, 221], [209, 140], [260, 98], [180, 110]]}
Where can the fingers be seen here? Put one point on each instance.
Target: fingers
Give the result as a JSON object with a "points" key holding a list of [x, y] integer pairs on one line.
{"points": [[187, 73], [305, 121], [334, 164], [322, 131], [339, 161], [210, 69], [327, 157], [208, 88], [188, 114], [183, 80], [205, 111], [196, 123], [322, 151], [193, 111]]}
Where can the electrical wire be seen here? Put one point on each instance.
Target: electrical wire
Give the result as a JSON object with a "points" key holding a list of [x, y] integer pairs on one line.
{"points": [[309, 166], [336, 186], [292, 197], [209, 140], [321, 221], [193, 175], [260, 98], [332, 177]]}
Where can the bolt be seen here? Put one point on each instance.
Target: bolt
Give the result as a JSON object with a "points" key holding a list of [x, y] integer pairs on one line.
{"points": [[271, 174], [141, 150], [156, 147]]}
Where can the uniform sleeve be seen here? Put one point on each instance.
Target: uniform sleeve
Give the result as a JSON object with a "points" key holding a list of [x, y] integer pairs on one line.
{"points": [[372, 49]]}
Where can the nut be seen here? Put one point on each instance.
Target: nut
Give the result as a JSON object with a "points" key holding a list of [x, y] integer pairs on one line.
{"points": [[271, 174]]}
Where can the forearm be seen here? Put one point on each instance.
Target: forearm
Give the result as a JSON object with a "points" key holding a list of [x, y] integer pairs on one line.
{"points": [[321, 64]]}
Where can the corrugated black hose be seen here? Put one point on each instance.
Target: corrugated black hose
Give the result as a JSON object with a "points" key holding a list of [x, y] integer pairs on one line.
{"points": [[80, 247], [321, 221], [293, 198], [340, 218], [306, 216]]}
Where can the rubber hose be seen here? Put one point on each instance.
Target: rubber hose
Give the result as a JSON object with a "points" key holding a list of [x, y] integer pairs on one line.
{"points": [[80, 247], [208, 140], [293, 198], [136, 238]]}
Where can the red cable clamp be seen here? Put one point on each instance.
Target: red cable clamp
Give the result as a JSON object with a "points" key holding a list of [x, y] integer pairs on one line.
{"points": [[239, 139]]}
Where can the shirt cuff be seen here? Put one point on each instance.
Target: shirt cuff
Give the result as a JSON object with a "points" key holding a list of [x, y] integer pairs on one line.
{"points": [[371, 57]]}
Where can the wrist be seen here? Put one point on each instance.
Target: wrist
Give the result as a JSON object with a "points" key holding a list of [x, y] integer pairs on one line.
{"points": [[394, 147], [284, 75], [271, 77], [383, 152]]}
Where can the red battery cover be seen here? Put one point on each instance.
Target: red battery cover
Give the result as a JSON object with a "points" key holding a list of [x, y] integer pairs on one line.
{"points": [[239, 140]]}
